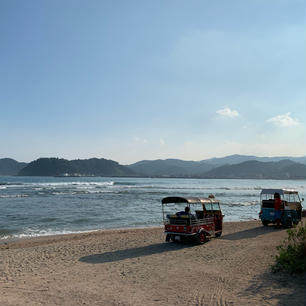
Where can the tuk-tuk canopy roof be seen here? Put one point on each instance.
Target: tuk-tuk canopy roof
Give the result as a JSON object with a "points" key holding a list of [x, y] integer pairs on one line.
{"points": [[280, 191], [189, 200]]}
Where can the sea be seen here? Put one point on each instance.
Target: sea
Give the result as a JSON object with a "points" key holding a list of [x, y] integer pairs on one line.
{"points": [[41, 206]]}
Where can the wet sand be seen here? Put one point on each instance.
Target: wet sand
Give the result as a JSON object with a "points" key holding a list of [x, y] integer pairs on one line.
{"points": [[136, 267]]}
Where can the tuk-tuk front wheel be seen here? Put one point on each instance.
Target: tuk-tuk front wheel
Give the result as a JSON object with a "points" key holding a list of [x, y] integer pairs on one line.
{"points": [[265, 222], [201, 237]]}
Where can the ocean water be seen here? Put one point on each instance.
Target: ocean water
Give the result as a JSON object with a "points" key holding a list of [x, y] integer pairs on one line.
{"points": [[38, 206]]}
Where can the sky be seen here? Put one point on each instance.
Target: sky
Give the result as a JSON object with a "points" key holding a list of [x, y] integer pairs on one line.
{"points": [[131, 80]]}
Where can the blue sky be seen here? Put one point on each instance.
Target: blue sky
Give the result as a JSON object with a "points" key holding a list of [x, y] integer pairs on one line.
{"points": [[132, 80]]}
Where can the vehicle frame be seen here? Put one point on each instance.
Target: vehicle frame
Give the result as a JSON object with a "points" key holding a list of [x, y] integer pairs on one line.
{"points": [[291, 207], [206, 222]]}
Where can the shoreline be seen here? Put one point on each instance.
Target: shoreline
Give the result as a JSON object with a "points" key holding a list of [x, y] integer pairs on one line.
{"points": [[76, 233]]}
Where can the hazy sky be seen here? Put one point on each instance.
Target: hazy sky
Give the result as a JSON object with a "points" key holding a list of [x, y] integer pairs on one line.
{"points": [[131, 80]]}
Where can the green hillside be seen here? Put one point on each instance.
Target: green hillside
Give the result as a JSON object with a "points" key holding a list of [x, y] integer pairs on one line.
{"points": [[86, 167]]}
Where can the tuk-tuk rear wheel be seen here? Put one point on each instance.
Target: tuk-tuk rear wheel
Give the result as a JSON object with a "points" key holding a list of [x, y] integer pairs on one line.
{"points": [[217, 235], [173, 238], [289, 223], [265, 222]]}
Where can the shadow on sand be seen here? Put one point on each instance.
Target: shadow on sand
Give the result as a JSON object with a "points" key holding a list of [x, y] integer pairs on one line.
{"points": [[251, 233], [134, 252], [268, 282]]}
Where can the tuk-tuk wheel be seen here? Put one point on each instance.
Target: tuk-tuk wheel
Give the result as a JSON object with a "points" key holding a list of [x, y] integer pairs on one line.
{"points": [[201, 237], [217, 235], [289, 223], [265, 222], [168, 236]]}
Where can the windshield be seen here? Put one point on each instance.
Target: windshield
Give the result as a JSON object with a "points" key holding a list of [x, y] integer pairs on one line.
{"points": [[212, 206], [293, 197], [173, 208], [208, 206], [216, 206]]}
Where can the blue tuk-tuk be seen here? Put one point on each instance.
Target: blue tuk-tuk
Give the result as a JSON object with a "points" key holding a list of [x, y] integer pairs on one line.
{"points": [[291, 212]]}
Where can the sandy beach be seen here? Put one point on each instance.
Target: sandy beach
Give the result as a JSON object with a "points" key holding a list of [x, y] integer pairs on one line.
{"points": [[136, 267]]}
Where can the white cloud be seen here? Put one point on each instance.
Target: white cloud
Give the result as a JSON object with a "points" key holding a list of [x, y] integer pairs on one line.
{"points": [[227, 112], [283, 120], [162, 142]]}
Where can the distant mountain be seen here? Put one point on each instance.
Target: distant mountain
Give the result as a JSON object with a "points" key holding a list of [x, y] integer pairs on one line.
{"points": [[169, 168], [233, 166], [181, 168], [237, 159], [284, 169], [86, 167], [10, 166]]}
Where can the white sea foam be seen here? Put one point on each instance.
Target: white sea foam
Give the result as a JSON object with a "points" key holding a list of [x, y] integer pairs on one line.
{"points": [[63, 193], [111, 183], [246, 203], [6, 196], [56, 184], [47, 232]]}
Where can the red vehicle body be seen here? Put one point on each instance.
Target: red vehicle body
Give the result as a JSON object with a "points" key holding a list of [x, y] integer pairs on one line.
{"points": [[201, 219]]}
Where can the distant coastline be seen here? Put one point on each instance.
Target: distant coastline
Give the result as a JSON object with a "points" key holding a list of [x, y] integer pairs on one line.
{"points": [[229, 167]]}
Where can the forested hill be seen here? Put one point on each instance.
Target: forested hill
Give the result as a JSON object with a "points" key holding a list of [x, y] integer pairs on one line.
{"points": [[85, 167], [9, 166], [170, 168]]}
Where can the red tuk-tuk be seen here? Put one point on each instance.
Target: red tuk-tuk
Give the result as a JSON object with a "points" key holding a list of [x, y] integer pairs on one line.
{"points": [[200, 220]]}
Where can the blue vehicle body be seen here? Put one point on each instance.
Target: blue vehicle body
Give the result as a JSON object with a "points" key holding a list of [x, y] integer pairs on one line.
{"points": [[291, 211], [287, 216]]}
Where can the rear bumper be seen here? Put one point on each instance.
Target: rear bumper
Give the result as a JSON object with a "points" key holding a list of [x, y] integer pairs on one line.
{"points": [[179, 234], [283, 218]]}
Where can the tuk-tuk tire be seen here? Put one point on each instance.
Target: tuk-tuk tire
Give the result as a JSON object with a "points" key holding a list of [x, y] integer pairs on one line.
{"points": [[201, 237], [217, 235], [168, 236], [295, 222], [289, 223], [265, 222], [172, 238]]}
